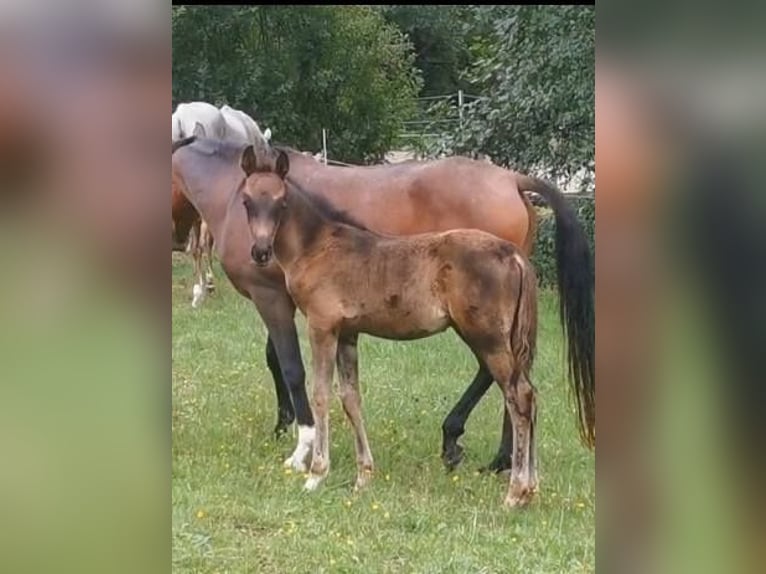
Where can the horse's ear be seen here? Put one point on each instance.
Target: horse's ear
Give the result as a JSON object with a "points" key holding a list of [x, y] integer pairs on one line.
{"points": [[267, 134], [283, 164], [199, 130], [248, 162]]}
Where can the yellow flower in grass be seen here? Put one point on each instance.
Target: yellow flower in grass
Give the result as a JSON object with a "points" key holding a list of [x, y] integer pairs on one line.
{"points": [[455, 478], [200, 514]]}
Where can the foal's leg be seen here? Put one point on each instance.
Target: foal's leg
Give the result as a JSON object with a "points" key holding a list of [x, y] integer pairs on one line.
{"points": [[520, 402], [324, 348], [348, 374], [285, 411], [277, 310], [454, 425]]}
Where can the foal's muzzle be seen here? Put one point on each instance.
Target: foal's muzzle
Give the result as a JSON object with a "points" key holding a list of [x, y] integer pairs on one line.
{"points": [[261, 255]]}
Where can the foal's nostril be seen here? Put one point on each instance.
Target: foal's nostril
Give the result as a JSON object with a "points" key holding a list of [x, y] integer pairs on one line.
{"points": [[260, 256]]}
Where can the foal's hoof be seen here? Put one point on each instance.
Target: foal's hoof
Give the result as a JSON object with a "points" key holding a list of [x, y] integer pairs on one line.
{"points": [[313, 482], [520, 496], [362, 479], [453, 456]]}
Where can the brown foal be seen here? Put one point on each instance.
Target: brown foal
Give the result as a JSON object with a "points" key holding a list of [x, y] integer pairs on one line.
{"points": [[348, 280]]}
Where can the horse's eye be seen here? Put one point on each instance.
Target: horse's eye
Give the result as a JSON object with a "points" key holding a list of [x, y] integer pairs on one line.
{"points": [[283, 205]]}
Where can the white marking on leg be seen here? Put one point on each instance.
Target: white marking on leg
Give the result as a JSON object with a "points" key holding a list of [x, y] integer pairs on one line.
{"points": [[198, 294], [297, 460]]}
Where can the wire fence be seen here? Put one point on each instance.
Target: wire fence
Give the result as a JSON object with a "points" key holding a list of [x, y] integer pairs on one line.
{"points": [[440, 115]]}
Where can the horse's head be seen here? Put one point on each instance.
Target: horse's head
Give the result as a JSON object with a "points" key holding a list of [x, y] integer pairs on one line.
{"points": [[264, 196]]}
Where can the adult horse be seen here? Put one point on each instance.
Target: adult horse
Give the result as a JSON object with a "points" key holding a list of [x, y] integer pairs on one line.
{"points": [[402, 199], [242, 127]]}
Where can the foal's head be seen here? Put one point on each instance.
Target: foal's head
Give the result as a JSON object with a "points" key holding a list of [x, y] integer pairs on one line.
{"points": [[264, 197]]}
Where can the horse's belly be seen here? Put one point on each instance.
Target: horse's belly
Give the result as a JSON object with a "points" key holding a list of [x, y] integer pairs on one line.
{"points": [[401, 324]]}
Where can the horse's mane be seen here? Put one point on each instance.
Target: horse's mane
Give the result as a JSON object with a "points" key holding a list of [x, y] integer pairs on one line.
{"points": [[183, 142], [325, 208]]}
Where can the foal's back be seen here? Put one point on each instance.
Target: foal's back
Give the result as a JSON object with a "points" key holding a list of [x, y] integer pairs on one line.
{"points": [[409, 287]]}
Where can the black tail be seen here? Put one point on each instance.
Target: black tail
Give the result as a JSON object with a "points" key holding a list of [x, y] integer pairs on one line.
{"points": [[576, 285], [182, 142]]}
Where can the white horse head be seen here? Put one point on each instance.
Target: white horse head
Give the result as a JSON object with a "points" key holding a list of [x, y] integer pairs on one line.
{"points": [[188, 115]]}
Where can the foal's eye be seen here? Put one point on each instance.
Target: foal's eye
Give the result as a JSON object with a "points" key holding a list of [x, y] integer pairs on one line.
{"points": [[283, 205]]}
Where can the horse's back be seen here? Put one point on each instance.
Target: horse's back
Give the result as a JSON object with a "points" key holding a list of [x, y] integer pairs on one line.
{"points": [[430, 196]]}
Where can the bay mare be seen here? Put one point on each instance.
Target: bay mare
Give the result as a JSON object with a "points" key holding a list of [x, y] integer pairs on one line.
{"points": [[400, 199], [348, 280]]}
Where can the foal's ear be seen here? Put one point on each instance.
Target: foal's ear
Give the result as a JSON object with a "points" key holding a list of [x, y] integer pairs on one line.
{"points": [[248, 162], [283, 164]]}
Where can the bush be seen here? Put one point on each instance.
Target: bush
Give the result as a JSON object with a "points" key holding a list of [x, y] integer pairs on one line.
{"points": [[544, 252]]}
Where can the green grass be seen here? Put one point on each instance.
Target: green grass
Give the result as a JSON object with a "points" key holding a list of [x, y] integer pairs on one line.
{"points": [[236, 510]]}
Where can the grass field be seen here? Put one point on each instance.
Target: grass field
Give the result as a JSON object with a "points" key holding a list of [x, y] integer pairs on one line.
{"points": [[236, 510]]}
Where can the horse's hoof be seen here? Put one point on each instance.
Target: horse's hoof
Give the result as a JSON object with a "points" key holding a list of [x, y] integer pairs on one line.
{"points": [[499, 464], [296, 464], [313, 482], [520, 500], [281, 430], [362, 480], [452, 457]]}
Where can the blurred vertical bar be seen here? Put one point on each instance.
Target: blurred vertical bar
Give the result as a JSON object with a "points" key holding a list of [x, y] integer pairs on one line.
{"points": [[84, 300], [681, 287]]}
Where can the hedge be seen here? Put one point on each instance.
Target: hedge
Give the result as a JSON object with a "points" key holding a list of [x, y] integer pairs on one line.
{"points": [[544, 251]]}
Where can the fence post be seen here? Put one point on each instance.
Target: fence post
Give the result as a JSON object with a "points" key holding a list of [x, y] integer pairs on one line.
{"points": [[324, 145], [460, 108]]}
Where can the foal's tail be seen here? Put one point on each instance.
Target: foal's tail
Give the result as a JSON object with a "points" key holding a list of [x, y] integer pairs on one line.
{"points": [[576, 284], [524, 327]]}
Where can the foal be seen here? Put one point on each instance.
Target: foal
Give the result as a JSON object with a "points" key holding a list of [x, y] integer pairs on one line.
{"points": [[348, 280]]}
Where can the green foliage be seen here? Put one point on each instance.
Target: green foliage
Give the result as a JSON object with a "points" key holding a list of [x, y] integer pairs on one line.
{"points": [[299, 69], [537, 70], [544, 253], [441, 41]]}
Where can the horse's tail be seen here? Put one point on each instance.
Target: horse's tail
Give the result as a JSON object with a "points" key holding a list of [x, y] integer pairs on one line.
{"points": [[182, 142], [576, 286]]}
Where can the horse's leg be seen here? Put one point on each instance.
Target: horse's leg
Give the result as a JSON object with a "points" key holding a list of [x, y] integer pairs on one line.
{"points": [[348, 374], [207, 244], [285, 411], [520, 402], [198, 291], [324, 348], [453, 426], [278, 313], [502, 460]]}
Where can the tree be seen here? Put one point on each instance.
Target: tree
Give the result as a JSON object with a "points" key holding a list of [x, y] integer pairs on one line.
{"points": [[299, 69], [537, 71]]}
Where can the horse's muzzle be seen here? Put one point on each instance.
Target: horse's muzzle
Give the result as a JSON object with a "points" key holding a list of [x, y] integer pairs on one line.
{"points": [[261, 256]]}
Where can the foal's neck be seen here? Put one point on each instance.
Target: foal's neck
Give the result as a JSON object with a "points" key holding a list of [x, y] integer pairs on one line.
{"points": [[301, 230]]}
